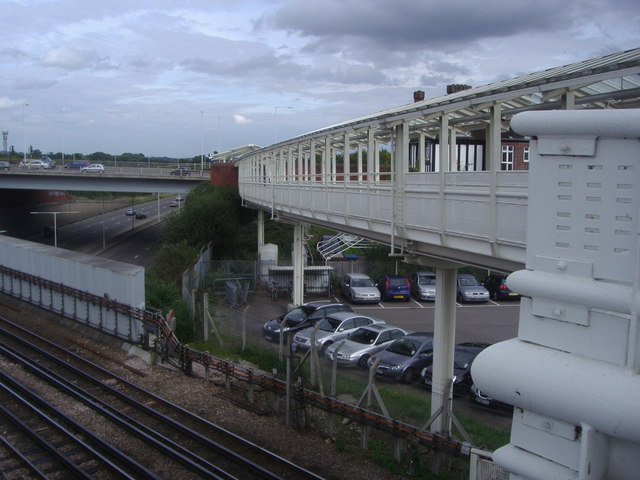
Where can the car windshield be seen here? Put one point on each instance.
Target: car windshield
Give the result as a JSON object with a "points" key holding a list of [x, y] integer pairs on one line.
{"points": [[468, 282], [426, 280], [297, 315], [462, 359], [362, 282], [395, 282], [328, 324], [364, 336], [404, 346]]}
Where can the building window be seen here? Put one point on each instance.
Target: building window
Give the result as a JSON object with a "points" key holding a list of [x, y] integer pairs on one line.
{"points": [[507, 157], [525, 155]]}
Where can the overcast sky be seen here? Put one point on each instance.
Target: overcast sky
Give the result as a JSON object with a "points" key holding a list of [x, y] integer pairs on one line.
{"points": [[176, 78]]}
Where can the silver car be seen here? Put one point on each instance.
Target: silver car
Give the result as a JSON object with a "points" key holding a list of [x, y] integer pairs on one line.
{"points": [[359, 288], [332, 328], [362, 343], [423, 286], [470, 290]]}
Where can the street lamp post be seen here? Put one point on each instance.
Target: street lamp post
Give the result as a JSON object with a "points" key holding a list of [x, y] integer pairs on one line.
{"points": [[275, 122], [55, 224], [24, 133], [201, 142]]}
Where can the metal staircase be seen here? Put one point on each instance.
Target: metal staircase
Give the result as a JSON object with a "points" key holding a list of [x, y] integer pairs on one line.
{"points": [[337, 244]]}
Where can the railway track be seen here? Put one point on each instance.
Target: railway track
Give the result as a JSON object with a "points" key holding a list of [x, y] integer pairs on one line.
{"points": [[63, 415]]}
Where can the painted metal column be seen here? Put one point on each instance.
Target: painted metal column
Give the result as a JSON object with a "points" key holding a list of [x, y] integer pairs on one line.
{"points": [[260, 230], [346, 159], [421, 147], [371, 148], [359, 162], [312, 160], [298, 265], [444, 344]]}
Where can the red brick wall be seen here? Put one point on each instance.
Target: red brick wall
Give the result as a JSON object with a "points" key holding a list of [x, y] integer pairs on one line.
{"points": [[224, 175]]}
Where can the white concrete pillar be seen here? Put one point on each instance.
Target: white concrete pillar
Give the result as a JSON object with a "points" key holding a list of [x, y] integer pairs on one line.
{"points": [[346, 160], [298, 265], [444, 331], [260, 230]]}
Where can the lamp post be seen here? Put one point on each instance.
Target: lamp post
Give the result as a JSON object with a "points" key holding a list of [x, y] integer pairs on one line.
{"points": [[201, 142], [55, 224], [275, 122], [24, 133]]}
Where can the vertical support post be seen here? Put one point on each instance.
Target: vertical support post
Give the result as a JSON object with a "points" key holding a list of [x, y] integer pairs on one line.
{"points": [[298, 266], [260, 230], [422, 167], [444, 344], [346, 160]]}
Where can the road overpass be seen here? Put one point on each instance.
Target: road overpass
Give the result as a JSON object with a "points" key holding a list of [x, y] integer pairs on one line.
{"points": [[115, 179]]}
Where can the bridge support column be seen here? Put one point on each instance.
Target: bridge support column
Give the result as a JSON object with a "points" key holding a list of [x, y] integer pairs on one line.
{"points": [[260, 229], [444, 343], [298, 265]]}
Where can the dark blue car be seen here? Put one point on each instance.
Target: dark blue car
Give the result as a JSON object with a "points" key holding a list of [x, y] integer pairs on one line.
{"points": [[394, 287]]}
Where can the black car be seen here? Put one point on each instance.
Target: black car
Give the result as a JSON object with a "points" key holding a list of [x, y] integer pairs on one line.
{"points": [[181, 171], [301, 317], [498, 289], [141, 215], [463, 357]]}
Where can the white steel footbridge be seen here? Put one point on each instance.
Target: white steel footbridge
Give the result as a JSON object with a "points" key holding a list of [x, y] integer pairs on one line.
{"points": [[434, 180]]}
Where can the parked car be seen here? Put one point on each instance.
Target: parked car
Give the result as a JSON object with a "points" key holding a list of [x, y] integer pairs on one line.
{"points": [[330, 329], [404, 359], [423, 286], [130, 212], [394, 287], [497, 287], [362, 343], [301, 317], [4, 165], [140, 215], [181, 171], [76, 165], [93, 168], [469, 290], [359, 288], [37, 165], [478, 396], [463, 356]]}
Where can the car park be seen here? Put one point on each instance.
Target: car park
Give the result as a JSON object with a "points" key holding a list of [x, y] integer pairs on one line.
{"points": [[181, 171], [141, 215], [463, 357], [362, 343], [93, 168], [404, 359], [77, 165], [469, 290], [498, 289], [359, 288], [423, 286], [394, 287], [330, 329], [301, 317], [4, 165]]}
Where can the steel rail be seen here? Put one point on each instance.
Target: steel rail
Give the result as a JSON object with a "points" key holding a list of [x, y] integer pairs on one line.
{"points": [[64, 425], [163, 419]]}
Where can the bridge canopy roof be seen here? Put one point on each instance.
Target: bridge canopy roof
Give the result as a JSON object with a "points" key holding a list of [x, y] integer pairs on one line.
{"points": [[610, 81]]}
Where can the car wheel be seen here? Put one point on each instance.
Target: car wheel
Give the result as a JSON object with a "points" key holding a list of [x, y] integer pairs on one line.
{"points": [[495, 295], [459, 298], [363, 361], [350, 297], [324, 346], [407, 375]]}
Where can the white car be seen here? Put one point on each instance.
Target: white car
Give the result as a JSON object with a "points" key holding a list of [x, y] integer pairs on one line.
{"points": [[362, 343], [36, 165], [93, 168], [332, 328]]}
